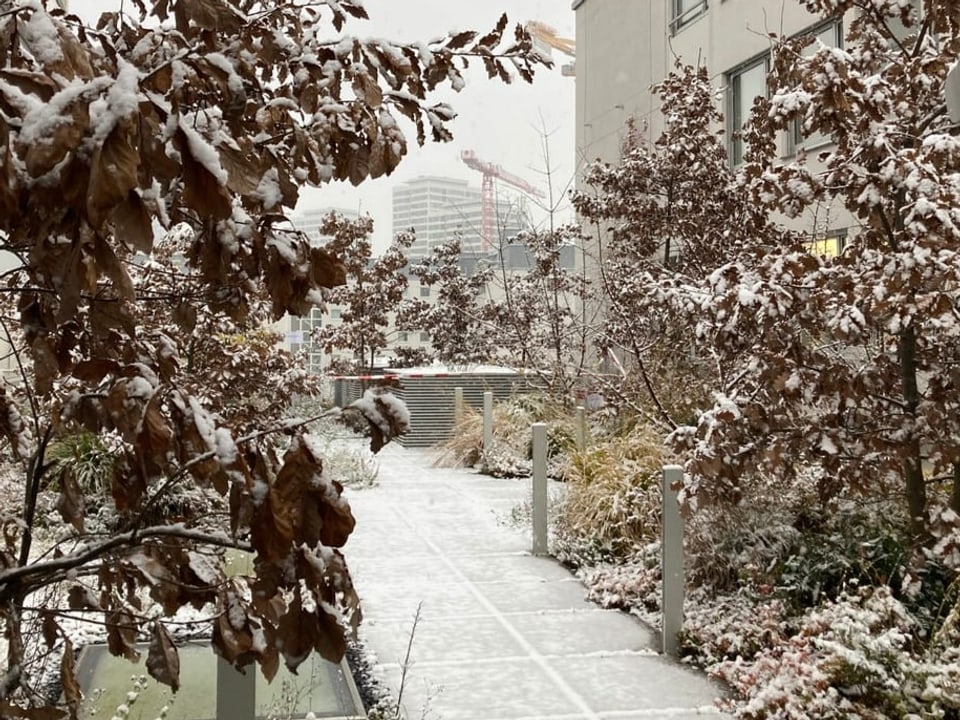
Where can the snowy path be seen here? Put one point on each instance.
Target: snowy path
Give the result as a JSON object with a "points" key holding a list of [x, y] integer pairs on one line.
{"points": [[502, 635]]}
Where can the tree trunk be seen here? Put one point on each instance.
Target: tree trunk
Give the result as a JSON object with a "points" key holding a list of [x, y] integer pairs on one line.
{"points": [[914, 484]]}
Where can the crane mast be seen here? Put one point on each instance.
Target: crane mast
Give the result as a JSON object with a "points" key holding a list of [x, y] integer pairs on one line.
{"points": [[490, 171]]}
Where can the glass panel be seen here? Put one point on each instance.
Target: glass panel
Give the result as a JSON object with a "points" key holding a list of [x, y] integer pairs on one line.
{"points": [[831, 36], [746, 86], [319, 687]]}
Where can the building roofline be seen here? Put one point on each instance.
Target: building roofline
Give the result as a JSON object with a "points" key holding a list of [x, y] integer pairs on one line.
{"points": [[577, 3]]}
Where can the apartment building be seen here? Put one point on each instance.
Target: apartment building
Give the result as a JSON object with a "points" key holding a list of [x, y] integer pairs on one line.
{"points": [[624, 47]]}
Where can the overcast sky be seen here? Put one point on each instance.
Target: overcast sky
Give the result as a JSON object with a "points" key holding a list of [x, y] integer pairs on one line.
{"points": [[501, 123]]}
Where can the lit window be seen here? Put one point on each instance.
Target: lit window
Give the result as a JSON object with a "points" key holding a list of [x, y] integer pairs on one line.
{"points": [[683, 12], [746, 85], [829, 246]]}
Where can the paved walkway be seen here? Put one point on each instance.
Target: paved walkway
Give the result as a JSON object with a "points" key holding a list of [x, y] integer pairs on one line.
{"points": [[502, 635]]}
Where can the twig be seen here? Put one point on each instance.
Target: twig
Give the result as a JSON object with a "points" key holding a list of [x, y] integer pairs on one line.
{"points": [[406, 659]]}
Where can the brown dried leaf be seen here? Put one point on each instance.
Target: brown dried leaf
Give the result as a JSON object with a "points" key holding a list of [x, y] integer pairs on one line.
{"points": [[325, 269], [109, 263], [46, 369], [68, 679], [368, 89], [51, 629], [42, 156], [297, 634], [163, 660], [108, 315], [201, 190], [80, 597], [155, 438], [9, 710], [132, 223], [243, 167], [95, 370], [212, 15], [31, 84], [127, 487], [122, 635], [113, 173]]}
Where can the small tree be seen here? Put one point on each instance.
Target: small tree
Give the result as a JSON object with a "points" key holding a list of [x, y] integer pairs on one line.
{"points": [[539, 317], [847, 363], [374, 288], [655, 217], [455, 319], [208, 116]]}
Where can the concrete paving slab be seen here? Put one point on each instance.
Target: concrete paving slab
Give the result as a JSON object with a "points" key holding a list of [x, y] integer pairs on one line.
{"points": [[559, 633], [502, 635], [537, 595], [468, 692], [627, 683]]}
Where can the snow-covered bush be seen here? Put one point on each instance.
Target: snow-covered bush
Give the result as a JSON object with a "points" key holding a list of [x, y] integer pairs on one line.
{"points": [[856, 657]]}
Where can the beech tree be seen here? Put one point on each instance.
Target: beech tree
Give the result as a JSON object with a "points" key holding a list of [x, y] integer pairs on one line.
{"points": [[847, 363], [540, 319], [655, 216], [373, 289], [457, 318], [203, 116]]}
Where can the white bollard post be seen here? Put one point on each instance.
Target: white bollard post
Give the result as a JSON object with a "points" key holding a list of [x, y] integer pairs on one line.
{"points": [[487, 420], [672, 559], [236, 691], [539, 488], [457, 405], [581, 428]]}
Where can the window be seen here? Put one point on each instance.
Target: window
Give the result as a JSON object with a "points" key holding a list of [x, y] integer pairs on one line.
{"points": [[830, 35], [335, 313], [745, 85], [683, 12], [403, 337], [424, 337], [424, 291], [829, 246]]}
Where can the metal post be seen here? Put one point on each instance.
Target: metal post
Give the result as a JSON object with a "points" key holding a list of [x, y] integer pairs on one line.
{"points": [[457, 405], [672, 557], [539, 488], [236, 692], [487, 420], [581, 428]]}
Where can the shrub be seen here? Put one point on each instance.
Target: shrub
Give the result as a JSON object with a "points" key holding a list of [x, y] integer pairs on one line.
{"points": [[612, 500], [511, 453], [852, 658]]}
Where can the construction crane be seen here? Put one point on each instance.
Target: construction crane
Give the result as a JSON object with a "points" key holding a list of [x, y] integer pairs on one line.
{"points": [[547, 36], [487, 201]]}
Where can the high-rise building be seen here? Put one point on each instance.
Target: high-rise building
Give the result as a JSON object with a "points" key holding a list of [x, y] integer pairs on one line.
{"points": [[437, 208], [440, 208]]}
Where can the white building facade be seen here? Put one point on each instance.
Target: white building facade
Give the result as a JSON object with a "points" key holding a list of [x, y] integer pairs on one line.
{"points": [[624, 47]]}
